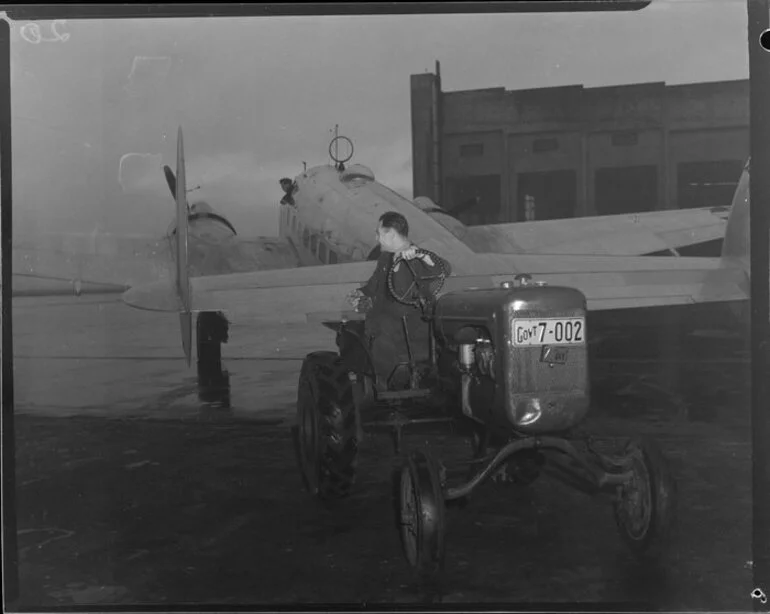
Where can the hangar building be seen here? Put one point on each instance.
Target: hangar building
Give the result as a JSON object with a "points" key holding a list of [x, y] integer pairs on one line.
{"points": [[497, 155]]}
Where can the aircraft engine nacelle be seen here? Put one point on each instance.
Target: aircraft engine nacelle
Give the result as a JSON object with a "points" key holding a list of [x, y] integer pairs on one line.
{"points": [[521, 352]]}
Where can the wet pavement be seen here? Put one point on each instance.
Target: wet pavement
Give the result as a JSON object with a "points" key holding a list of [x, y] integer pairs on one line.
{"points": [[131, 491]]}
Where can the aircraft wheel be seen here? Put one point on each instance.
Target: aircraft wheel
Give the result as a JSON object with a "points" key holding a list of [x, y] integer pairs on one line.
{"points": [[421, 510], [326, 426], [644, 508]]}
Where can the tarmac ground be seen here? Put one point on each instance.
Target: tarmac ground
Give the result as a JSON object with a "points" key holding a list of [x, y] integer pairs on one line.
{"points": [[130, 490]]}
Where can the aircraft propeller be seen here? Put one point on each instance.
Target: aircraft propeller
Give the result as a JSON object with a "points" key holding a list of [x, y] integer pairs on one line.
{"points": [[182, 265], [192, 213]]}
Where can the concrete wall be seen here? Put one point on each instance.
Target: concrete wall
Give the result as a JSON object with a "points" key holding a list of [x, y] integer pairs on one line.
{"points": [[659, 125], [422, 131]]}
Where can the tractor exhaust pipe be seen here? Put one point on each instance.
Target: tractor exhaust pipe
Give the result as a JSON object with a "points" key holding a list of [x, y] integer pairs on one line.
{"points": [[466, 362]]}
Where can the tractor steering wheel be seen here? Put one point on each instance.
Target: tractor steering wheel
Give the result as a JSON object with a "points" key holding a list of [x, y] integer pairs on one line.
{"points": [[423, 288]]}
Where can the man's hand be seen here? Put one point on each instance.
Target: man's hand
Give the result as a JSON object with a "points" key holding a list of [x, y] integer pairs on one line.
{"points": [[359, 301], [410, 253], [354, 297]]}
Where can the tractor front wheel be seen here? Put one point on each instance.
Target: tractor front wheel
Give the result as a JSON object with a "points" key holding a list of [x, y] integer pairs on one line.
{"points": [[421, 509], [645, 505]]}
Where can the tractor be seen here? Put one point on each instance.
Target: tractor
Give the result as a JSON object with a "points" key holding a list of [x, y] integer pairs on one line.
{"points": [[507, 368]]}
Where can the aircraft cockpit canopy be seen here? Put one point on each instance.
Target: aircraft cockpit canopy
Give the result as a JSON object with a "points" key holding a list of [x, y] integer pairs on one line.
{"points": [[356, 175]]}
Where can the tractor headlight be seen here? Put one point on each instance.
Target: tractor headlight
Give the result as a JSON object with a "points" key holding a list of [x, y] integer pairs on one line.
{"points": [[528, 411]]}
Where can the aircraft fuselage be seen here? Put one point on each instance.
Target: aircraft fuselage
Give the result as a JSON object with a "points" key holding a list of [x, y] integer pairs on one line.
{"points": [[331, 217]]}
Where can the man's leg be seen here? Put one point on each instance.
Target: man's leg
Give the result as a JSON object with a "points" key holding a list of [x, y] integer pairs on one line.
{"points": [[384, 357], [419, 337], [386, 333]]}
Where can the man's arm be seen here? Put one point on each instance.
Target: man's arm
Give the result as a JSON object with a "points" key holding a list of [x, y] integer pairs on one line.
{"points": [[411, 254], [435, 267], [370, 287], [361, 298]]}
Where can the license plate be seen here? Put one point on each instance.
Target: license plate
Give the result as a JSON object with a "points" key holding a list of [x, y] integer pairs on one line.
{"points": [[548, 331]]}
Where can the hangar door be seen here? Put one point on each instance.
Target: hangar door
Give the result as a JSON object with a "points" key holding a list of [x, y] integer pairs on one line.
{"points": [[475, 200], [626, 189], [707, 184], [547, 195]]}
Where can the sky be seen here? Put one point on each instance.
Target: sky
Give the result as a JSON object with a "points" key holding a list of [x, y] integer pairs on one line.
{"points": [[95, 116]]}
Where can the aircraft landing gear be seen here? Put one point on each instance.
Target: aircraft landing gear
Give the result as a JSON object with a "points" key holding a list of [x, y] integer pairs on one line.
{"points": [[213, 381]]}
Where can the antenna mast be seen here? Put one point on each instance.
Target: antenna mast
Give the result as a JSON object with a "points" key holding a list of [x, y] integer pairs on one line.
{"points": [[336, 141], [334, 152]]}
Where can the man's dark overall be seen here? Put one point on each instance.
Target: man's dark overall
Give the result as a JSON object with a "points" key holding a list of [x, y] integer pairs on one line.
{"points": [[384, 324]]}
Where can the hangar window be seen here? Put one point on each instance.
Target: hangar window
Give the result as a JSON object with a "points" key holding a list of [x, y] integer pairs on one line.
{"points": [[707, 184], [543, 145], [625, 139], [626, 189], [332, 257], [475, 199], [546, 195], [313, 243], [306, 237], [472, 150], [322, 252]]}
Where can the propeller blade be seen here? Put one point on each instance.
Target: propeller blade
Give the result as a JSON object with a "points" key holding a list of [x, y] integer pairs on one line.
{"points": [[182, 265], [170, 179]]}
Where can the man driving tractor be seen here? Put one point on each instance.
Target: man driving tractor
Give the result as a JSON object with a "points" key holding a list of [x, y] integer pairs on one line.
{"points": [[384, 314]]}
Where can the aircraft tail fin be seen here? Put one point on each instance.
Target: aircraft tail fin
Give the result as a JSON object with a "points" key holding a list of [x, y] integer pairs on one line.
{"points": [[182, 264], [735, 247]]}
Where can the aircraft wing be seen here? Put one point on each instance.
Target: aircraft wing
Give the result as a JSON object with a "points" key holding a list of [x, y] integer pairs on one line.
{"points": [[51, 264], [55, 264], [311, 293], [632, 234]]}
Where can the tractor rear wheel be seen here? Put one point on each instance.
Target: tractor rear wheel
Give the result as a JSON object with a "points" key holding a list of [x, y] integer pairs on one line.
{"points": [[326, 424]]}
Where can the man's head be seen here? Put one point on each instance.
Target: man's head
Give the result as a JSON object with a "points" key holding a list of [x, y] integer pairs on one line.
{"points": [[392, 232]]}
